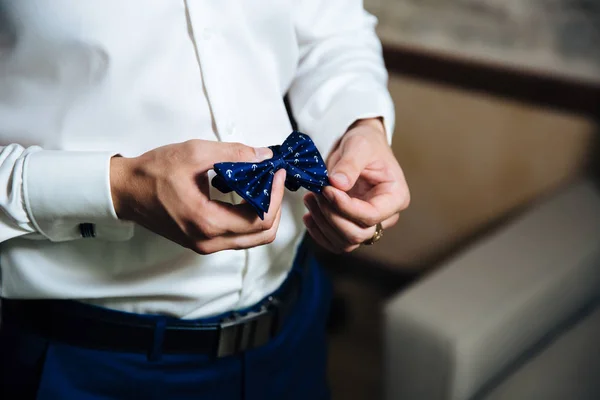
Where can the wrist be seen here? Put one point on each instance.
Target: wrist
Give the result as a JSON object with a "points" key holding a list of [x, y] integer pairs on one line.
{"points": [[373, 123], [370, 127], [120, 182]]}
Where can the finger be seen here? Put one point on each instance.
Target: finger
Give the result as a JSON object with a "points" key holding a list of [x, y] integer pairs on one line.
{"points": [[390, 222], [352, 233], [277, 191], [219, 218], [339, 221], [386, 224], [384, 203], [237, 152], [356, 154], [239, 242], [335, 237], [332, 160], [315, 232]]}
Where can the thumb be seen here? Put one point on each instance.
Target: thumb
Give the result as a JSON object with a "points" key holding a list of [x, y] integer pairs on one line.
{"points": [[355, 156], [237, 152]]}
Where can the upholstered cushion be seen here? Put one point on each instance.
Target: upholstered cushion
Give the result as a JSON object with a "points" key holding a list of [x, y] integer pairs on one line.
{"points": [[568, 368], [454, 331]]}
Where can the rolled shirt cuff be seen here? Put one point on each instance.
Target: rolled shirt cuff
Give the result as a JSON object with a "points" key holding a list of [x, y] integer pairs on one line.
{"points": [[64, 189]]}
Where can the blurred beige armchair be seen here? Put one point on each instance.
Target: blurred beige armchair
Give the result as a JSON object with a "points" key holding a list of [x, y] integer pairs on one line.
{"points": [[512, 317]]}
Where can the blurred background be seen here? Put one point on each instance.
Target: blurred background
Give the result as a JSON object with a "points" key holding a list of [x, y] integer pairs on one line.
{"points": [[487, 286]]}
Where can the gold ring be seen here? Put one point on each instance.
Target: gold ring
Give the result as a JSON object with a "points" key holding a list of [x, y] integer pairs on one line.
{"points": [[376, 236]]}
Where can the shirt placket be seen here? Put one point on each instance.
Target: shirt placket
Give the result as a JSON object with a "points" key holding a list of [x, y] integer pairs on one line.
{"points": [[206, 38]]}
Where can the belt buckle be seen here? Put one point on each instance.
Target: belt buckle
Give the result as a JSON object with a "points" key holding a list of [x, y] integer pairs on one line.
{"points": [[243, 332]]}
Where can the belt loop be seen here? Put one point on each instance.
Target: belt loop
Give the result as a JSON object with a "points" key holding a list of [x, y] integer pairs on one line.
{"points": [[155, 352]]}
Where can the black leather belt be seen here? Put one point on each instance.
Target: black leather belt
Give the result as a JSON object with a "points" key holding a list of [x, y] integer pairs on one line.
{"points": [[94, 327]]}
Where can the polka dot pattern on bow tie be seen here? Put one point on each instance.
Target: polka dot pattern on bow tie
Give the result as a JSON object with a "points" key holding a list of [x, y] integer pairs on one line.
{"points": [[253, 181]]}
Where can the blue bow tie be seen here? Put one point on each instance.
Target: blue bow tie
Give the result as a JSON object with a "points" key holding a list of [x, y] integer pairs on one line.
{"points": [[253, 181]]}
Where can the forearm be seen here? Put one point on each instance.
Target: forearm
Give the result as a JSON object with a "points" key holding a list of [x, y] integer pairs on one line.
{"points": [[341, 76], [49, 194]]}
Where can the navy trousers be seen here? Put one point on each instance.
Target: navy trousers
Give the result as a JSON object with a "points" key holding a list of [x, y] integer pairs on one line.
{"points": [[291, 366]]}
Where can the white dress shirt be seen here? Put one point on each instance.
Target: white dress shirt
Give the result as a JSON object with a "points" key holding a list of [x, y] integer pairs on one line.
{"points": [[81, 81]]}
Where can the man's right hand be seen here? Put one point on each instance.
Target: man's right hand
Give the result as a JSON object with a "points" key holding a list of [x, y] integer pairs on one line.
{"points": [[166, 190]]}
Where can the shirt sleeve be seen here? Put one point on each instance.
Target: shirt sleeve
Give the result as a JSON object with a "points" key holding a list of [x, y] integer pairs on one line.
{"points": [[51, 194], [341, 75]]}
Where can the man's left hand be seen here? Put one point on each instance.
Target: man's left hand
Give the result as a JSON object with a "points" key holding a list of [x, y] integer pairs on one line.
{"points": [[367, 187]]}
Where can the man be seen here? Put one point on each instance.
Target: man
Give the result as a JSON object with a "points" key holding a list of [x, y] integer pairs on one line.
{"points": [[124, 274]]}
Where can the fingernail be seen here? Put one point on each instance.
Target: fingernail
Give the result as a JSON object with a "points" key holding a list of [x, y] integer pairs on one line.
{"points": [[328, 193], [263, 153], [340, 178]]}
